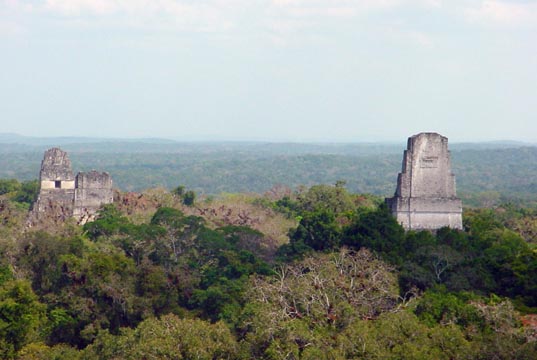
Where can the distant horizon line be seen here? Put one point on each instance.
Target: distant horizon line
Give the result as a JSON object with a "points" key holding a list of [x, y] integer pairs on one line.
{"points": [[5, 138]]}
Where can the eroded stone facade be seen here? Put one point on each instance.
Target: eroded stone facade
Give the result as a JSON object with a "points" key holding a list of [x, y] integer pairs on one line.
{"points": [[63, 195], [426, 198]]}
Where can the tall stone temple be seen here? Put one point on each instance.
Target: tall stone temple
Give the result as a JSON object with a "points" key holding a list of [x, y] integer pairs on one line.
{"points": [[426, 197], [63, 195]]}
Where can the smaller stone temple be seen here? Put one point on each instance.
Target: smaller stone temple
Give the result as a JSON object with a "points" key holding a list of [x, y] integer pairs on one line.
{"points": [[62, 195], [426, 197]]}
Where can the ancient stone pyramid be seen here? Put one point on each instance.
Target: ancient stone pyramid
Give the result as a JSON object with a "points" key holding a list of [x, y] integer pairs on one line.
{"points": [[426, 197], [62, 195]]}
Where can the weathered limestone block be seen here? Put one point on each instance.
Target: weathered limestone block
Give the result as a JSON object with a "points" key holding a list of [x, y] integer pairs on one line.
{"points": [[56, 166], [93, 189], [57, 183], [426, 198], [63, 195]]}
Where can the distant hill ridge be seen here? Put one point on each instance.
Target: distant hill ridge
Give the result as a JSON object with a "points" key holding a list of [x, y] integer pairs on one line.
{"points": [[11, 142], [12, 138], [504, 171]]}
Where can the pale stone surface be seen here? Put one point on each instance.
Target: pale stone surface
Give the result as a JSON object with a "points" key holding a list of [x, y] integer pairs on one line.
{"points": [[56, 166], [47, 184], [63, 195], [93, 189], [426, 198], [54, 176]]}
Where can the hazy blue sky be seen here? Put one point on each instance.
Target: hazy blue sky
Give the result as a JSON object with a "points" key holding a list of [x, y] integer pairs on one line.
{"points": [[303, 70]]}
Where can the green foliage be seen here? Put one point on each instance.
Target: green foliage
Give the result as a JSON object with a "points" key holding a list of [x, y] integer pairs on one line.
{"points": [[317, 230], [248, 239], [40, 254], [301, 309], [323, 213], [287, 206], [487, 258], [333, 199], [9, 186], [485, 176], [207, 269], [100, 287], [168, 216], [179, 191], [415, 240], [167, 338], [221, 300], [27, 193], [21, 316], [40, 351], [224, 276], [5, 274], [401, 335], [189, 197], [125, 289], [377, 230], [295, 250], [109, 222], [438, 306]]}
